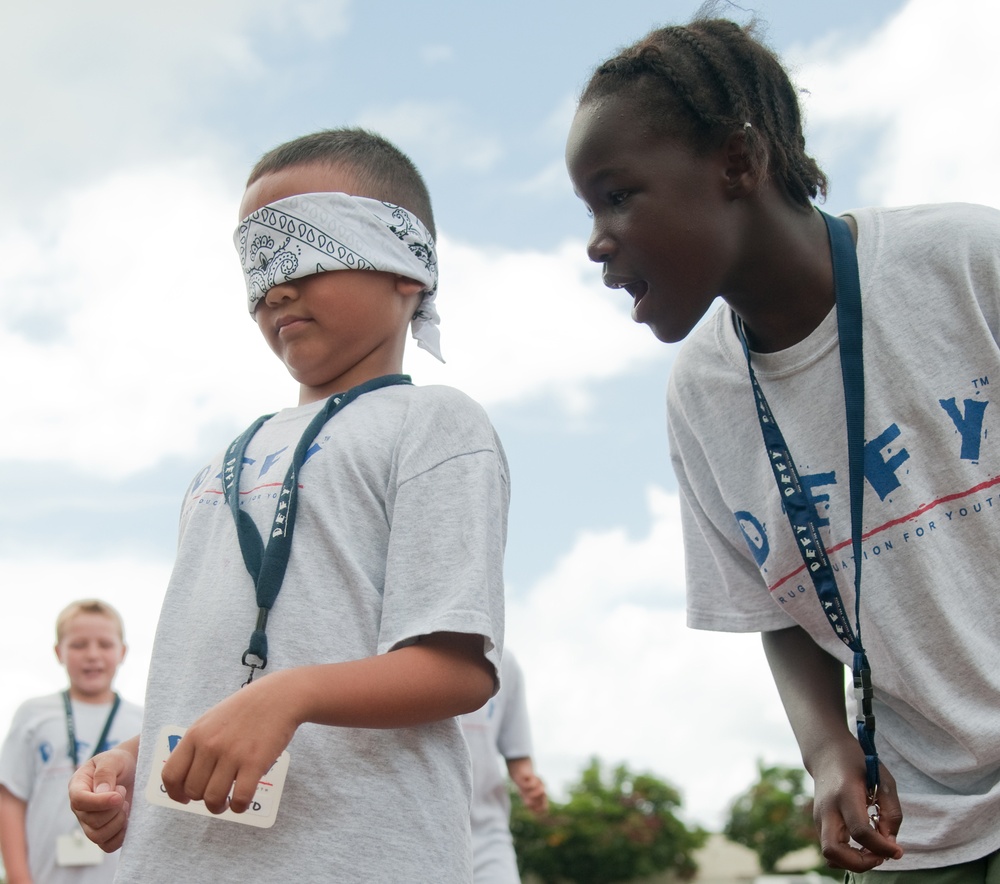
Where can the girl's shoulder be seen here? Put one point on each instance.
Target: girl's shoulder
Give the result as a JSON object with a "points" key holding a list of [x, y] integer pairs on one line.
{"points": [[926, 224]]}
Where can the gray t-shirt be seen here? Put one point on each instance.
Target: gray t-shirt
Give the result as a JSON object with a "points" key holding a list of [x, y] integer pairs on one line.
{"points": [[35, 766], [498, 731], [930, 619], [400, 533]]}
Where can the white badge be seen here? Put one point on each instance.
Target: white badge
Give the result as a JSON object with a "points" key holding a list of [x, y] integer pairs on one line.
{"points": [[263, 808], [77, 850]]}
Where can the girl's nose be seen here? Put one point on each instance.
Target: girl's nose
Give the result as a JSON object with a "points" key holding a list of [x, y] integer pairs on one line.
{"points": [[600, 246]]}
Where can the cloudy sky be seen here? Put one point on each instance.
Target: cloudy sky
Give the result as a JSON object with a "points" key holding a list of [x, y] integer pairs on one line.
{"points": [[127, 357]]}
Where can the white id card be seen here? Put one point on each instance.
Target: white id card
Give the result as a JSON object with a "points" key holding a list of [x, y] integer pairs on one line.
{"points": [[77, 850], [263, 808]]}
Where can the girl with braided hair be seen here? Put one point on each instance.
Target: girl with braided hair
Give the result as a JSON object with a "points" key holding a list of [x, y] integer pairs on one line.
{"points": [[832, 413]]}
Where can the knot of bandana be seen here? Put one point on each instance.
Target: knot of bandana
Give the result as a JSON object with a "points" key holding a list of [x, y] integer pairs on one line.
{"points": [[319, 232]]}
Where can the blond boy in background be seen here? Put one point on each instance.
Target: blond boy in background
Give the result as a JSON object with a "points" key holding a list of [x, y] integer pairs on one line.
{"points": [[50, 736]]}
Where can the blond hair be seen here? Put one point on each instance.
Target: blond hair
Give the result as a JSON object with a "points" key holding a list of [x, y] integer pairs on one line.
{"points": [[87, 606]]}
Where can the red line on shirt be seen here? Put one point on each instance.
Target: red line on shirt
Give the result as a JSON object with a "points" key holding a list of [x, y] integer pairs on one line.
{"points": [[251, 491], [989, 483]]}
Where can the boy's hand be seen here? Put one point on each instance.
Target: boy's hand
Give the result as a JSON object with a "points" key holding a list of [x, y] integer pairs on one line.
{"points": [[531, 787], [100, 794], [533, 795], [841, 812], [236, 741]]}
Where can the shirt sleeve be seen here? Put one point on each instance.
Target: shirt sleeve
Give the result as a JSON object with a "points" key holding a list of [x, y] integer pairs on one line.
{"points": [[448, 528], [17, 761], [725, 590], [514, 736]]}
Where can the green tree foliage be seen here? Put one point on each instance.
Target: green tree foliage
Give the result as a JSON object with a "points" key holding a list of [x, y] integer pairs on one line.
{"points": [[610, 830], [774, 816]]}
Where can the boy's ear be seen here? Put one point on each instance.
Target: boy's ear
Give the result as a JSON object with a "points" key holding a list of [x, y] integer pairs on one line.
{"points": [[742, 169], [58, 652], [407, 286]]}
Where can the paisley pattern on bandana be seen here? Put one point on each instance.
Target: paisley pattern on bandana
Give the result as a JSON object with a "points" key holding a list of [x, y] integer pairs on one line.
{"points": [[320, 232]]}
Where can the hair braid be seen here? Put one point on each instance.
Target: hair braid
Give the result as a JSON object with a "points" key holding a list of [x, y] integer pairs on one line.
{"points": [[704, 81]]}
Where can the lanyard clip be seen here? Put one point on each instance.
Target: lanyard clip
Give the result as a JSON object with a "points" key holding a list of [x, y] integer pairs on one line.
{"points": [[874, 812], [864, 694], [260, 664]]}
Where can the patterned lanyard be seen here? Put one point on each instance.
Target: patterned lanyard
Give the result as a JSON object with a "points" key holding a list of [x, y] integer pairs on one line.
{"points": [[800, 511], [71, 728], [267, 564]]}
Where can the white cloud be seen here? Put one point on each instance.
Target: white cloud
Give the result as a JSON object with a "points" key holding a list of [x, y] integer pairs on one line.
{"points": [[925, 86], [96, 84], [439, 131], [612, 670], [556, 125], [519, 324], [550, 181], [123, 325], [125, 331], [34, 593]]}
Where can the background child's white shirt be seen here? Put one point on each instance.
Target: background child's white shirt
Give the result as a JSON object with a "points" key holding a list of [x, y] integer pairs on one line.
{"points": [[400, 532], [35, 766], [498, 731], [930, 620]]}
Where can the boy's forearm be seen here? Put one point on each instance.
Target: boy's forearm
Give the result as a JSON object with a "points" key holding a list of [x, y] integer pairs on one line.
{"points": [[226, 750], [442, 676], [131, 745], [520, 767], [13, 838]]}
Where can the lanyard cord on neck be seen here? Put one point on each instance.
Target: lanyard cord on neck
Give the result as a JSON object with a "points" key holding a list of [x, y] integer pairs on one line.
{"points": [[267, 564], [71, 728], [799, 509]]}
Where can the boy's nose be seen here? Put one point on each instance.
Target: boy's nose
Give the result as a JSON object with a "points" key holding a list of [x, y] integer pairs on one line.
{"points": [[284, 291]]}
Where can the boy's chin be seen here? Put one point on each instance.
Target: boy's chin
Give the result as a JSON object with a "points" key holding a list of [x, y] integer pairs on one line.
{"points": [[91, 690]]}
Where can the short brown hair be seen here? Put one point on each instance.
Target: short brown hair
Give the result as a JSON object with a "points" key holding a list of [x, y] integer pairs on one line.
{"points": [[87, 606], [382, 170]]}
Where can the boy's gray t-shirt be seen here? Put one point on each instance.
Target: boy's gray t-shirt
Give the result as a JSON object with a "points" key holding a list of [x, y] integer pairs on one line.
{"points": [[498, 731], [400, 533], [930, 616], [35, 766]]}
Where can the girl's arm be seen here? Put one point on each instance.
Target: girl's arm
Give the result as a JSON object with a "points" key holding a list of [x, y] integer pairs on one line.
{"points": [[811, 685], [13, 838], [236, 741]]}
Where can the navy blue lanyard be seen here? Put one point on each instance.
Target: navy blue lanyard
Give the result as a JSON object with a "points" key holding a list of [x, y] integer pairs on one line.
{"points": [[801, 512], [71, 728], [267, 564]]}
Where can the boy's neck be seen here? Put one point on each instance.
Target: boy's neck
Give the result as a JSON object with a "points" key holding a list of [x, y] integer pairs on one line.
{"points": [[358, 374], [789, 290], [102, 699]]}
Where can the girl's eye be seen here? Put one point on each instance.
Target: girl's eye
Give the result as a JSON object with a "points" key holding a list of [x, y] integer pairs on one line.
{"points": [[617, 197]]}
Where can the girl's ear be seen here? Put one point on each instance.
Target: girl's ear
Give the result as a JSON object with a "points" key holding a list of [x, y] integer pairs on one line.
{"points": [[743, 168]]}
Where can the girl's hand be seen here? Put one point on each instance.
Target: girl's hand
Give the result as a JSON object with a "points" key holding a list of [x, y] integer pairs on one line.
{"points": [[230, 747], [840, 810]]}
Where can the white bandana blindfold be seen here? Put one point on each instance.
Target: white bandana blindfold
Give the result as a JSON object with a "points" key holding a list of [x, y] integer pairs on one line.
{"points": [[318, 232]]}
